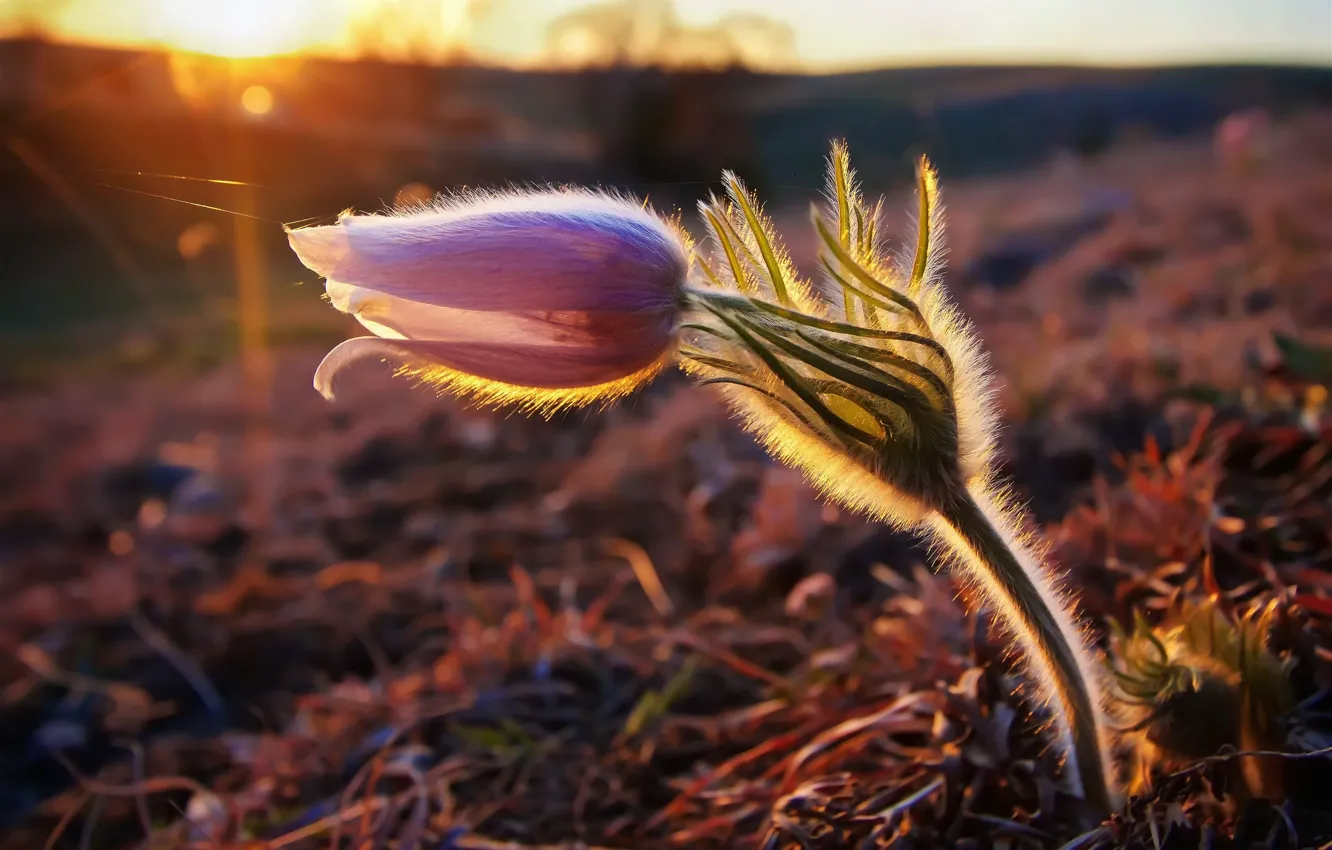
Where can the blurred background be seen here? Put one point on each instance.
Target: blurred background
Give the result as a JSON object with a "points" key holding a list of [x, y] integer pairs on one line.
{"points": [[292, 110], [126, 121], [1140, 201]]}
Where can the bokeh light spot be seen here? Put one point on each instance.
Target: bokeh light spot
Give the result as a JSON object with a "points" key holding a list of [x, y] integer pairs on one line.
{"points": [[120, 543], [257, 100], [197, 238]]}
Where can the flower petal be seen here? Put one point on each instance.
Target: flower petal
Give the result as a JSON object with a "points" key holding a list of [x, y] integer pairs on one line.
{"points": [[609, 256], [392, 317], [535, 366]]}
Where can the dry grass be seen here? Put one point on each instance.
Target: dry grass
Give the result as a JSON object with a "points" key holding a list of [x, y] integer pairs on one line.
{"points": [[451, 629]]}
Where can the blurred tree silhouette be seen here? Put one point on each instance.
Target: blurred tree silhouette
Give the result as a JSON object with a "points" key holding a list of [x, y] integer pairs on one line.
{"points": [[671, 130], [25, 18], [660, 97], [650, 33], [425, 31], [1093, 132]]}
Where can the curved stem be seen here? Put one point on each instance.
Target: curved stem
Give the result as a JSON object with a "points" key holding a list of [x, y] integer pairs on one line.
{"points": [[1056, 661]]}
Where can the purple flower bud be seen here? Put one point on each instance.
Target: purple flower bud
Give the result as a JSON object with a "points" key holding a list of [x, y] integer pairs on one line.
{"points": [[546, 298]]}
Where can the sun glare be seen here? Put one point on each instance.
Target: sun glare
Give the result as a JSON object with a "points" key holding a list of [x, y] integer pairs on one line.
{"points": [[242, 28]]}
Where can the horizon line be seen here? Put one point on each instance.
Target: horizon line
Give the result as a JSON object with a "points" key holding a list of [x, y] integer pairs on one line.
{"points": [[469, 59]]}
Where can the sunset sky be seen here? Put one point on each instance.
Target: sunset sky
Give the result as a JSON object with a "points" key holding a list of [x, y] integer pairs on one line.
{"points": [[828, 34]]}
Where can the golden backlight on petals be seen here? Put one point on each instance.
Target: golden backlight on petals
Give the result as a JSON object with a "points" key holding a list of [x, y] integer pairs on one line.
{"points": [[486, 392], [539, 300], [257, 100], [542, 401]]}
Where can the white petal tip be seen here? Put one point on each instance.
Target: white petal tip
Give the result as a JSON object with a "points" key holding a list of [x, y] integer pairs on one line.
{"points": [[323, 382], [345, 352], [320, 249]]}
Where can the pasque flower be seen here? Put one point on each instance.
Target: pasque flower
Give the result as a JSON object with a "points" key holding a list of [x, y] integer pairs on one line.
{"points": [[867, 378], [543, 299]]}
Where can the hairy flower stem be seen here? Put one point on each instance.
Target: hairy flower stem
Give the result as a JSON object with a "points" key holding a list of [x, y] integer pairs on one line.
{"points": [[1054, 659]]}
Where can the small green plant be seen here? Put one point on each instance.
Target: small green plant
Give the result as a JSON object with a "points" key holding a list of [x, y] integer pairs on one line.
{"points": [[1196, 684], [867, 379]]}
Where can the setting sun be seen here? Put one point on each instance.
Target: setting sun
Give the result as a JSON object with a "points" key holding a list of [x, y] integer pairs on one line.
{"points": [[240, 28]]}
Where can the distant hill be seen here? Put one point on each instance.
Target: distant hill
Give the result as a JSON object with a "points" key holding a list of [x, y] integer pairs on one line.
{"points": [[982, 120]]}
